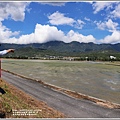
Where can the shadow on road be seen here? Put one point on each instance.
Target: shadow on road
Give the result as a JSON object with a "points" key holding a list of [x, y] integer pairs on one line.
{"points": [[2, 91], [2, 115]]}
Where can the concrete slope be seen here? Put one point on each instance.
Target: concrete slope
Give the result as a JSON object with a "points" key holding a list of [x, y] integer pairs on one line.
{"points": [[72, 107]]}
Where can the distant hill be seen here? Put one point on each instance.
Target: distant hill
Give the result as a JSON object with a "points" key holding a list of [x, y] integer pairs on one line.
{"points": [[60, 48]]}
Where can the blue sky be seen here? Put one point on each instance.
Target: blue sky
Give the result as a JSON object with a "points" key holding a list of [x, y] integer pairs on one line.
{"points": [[40, 22]]}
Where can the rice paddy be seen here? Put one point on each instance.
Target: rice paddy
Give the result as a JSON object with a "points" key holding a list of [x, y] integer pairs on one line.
{"points": [[97, 79]]}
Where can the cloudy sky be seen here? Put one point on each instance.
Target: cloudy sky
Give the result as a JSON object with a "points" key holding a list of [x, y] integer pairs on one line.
{"points": [[40, 22]]}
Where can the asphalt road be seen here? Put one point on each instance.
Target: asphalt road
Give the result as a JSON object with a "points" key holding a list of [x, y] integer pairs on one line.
{"points": [[72, 107]]}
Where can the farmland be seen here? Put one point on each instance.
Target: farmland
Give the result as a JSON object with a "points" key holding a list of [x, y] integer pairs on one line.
{"points": [[98, 79]]}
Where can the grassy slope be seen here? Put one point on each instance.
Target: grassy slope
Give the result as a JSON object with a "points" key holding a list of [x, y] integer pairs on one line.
{"points": [[14, 99]]}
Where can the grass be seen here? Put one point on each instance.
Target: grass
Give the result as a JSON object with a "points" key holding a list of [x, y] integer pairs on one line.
{"points": [[97, 79], [15, 100]]}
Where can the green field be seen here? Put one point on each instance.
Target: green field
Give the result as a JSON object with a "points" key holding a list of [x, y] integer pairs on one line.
{"points": [[98, 79]]}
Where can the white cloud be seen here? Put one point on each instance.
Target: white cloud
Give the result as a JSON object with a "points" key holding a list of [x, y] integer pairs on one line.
{"points": [[58, 18], [13, 10], [112, 8], [116, 12], [79, 24], [107, 25], [74, 36], [5, 33], [111, 27], [113, 38], [87, 19], [98, 6], [45, 33]]}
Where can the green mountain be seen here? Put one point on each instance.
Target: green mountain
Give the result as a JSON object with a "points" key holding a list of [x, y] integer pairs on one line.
{"points": [[59, 48]]}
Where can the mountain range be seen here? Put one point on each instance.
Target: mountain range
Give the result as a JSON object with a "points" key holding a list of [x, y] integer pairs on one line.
{"points": [[60, 48]]}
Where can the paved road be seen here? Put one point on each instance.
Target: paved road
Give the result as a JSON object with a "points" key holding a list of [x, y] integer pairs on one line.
{"points": [[71, 107]]}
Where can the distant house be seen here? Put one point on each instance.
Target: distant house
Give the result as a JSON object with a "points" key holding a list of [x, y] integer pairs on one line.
{"points": [[86, 58], [112, 57]]}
